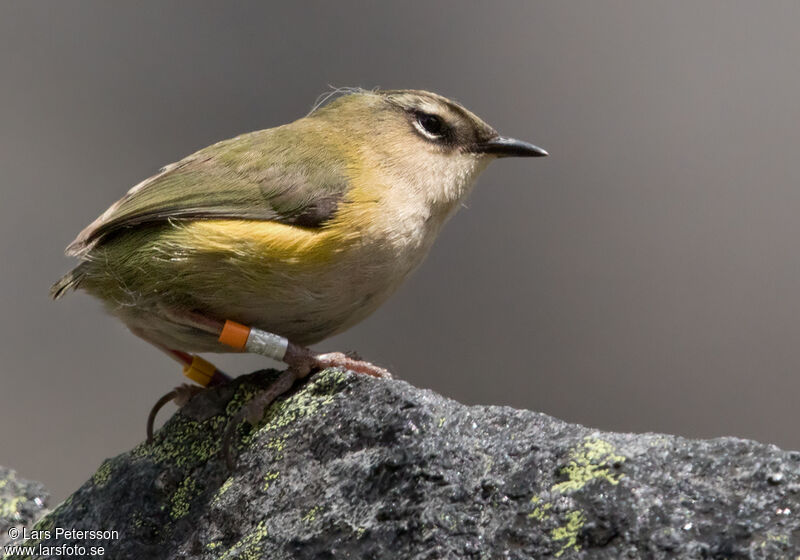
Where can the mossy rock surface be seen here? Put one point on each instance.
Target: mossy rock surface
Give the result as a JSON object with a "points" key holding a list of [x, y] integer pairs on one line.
{"points": [[352, 467]]}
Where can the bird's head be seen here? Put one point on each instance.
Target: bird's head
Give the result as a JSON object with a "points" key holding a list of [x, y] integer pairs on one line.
{"points": [[434, 144]]}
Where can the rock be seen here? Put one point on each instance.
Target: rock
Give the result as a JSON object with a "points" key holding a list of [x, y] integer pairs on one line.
{"points": [[353, 467], [22, 502]]}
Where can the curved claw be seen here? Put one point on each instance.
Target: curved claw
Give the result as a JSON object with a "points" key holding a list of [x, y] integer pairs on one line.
{"points": [[151, 418], [181, 395]]}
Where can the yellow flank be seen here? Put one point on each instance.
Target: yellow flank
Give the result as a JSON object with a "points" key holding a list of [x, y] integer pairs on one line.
{"points": [[291, 243]]}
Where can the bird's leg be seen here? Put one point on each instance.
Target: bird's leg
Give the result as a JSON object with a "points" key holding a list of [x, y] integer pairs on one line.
{"points": [[194, 367], [301, 360]]}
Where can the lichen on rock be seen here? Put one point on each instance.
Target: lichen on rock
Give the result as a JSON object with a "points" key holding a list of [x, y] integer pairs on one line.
{"points": [[22, 502]]}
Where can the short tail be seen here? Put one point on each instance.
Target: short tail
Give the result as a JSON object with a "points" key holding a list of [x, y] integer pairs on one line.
{"points": [[69, 281]]}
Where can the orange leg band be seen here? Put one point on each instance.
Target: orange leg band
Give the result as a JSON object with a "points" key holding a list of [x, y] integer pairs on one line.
{"points": [[234, 335]]}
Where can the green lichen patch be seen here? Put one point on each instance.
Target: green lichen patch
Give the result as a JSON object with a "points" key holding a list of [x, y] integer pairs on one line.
{"points": [[276, 445], [4, 481], [539, 512], [222, 490], [103, 474], [285, 412], [181, 500], [783, 539], [569, 532], [136, 520], [244, 394], [311, 515], [360, 532], [10, 507], [269, 478], [317, 394], [186, 444], [250, 546], [590, 461]]}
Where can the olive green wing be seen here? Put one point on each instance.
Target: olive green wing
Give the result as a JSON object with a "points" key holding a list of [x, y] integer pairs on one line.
{"points": [[258, 176]]}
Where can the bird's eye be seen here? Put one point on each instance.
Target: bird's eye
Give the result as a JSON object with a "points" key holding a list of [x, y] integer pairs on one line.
{"points": [[431, 126]]}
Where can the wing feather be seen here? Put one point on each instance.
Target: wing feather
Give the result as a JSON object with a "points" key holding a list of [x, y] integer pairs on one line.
{"points": [[257, 176]]}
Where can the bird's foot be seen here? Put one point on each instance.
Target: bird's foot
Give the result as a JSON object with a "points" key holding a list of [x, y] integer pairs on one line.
{"points": [[196, 369], [305, 361], [302, 362], [345, 361]]}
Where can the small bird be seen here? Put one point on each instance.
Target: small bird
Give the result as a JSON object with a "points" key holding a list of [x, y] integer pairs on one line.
{"points": [[277, 239]]}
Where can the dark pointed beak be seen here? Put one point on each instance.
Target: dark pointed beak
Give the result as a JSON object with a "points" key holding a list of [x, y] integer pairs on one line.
{"points": [[500, 146]]}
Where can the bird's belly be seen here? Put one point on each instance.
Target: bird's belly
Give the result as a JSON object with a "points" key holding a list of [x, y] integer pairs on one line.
{"points": [[312, 305]]}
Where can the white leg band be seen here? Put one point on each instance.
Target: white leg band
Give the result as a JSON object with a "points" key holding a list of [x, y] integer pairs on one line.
{"points": [[266, 344]]}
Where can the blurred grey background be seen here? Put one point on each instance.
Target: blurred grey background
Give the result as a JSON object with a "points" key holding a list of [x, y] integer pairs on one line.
{"points": [[645, 277]]}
